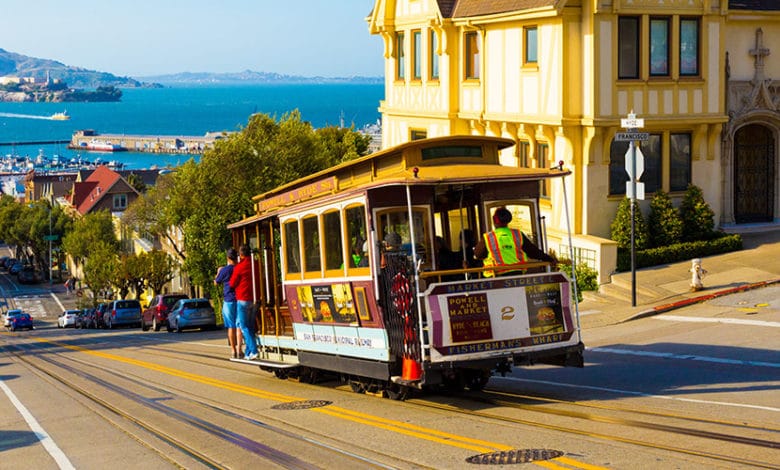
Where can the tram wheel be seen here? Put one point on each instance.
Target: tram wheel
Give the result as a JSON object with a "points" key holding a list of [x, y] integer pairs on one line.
{"points": [[357, 386], [280, 374], [394, 391], [477, 380]]}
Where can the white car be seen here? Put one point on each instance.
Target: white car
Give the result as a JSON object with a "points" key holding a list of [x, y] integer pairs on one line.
{"points": [[8, 315], [67, 318]]}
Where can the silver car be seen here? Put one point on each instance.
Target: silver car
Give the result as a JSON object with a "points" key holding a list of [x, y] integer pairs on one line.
{"points": [[9, 315], [122, 313], [192, 313]]}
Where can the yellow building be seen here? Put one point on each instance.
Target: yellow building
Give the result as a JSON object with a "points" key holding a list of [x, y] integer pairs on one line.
{"points": [[557, 76]]}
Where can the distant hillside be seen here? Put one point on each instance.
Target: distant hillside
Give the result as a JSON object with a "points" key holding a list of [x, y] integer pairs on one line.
{"points": [[19, 65], [250, 77]]}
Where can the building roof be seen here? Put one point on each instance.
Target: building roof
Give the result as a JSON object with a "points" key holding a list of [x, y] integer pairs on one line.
{"points": [[467, 8], [88, 193]]}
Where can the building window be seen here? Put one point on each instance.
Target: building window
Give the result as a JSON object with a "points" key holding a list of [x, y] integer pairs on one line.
{"points": [[434, 55], [400, 69], [659, 46], [418, 134], [472, 55], [524, 154], [679, 161], [628, 44], [120, 201], [651, 177], [689, 47], [417, 55], [531, 45], [543, 157]]}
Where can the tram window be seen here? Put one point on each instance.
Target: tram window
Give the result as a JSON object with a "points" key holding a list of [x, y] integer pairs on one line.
{"points": [[522, 218], [292, 247], [334, 253], [397, 220], [356, 233], [311, 240]]}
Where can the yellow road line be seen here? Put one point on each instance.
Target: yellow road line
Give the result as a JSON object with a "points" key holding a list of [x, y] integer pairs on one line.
{"points": [[399, 427]]}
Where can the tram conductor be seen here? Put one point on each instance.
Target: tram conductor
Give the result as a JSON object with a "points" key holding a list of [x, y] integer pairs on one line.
{"points": [[505, 246]]}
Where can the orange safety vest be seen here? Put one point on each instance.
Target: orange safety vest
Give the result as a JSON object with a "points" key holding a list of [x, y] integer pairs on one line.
{"points": [[504, 246]]}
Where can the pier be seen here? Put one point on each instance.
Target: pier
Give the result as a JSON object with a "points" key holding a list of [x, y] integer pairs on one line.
{"points": [[35, 142], [88, 139]]}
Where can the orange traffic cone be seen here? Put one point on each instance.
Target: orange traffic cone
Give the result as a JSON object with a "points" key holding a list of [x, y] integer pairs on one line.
{"points": [[411, 370]]}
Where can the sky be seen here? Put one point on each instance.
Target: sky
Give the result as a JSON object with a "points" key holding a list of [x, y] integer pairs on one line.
{"points": [[140, 38]]}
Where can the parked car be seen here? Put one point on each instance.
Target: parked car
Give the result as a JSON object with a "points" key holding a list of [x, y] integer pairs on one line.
{"points": [[192, 313], [122, 313], [27, 275], [155, 316], [9, 315], [82, 318], [21, 321], [16, 267], [100, 311], [67, 318]]}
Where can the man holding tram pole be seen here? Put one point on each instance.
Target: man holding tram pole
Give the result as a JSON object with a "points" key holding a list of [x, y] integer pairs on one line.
{"points": [[241, 282], [507, 246]]}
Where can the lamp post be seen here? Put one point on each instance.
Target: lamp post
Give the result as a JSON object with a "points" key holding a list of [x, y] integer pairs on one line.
{"points": [[51, 281]]}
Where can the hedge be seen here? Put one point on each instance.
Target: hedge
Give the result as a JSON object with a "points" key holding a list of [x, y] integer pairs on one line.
{"points": [[679, 252]]}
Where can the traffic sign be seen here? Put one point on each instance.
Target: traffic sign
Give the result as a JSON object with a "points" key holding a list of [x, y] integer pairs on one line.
{"points": [[640, 162], [632, 123], [640, 190], [631, 136]]}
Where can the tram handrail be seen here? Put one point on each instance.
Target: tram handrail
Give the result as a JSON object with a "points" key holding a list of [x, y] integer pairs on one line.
{"points": [[503, 267]]}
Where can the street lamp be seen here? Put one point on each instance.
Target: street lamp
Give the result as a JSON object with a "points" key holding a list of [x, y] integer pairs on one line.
{"points": [[51, 281]]}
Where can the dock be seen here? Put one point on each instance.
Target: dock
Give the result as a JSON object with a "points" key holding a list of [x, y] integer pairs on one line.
{"points": [[89, 139]]}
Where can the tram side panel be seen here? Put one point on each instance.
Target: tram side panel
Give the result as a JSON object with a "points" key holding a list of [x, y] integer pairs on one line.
{"points": [[337, 327]]}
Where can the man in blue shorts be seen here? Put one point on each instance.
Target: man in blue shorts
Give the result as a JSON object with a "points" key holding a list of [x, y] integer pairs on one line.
{"points": [[229, 305]]}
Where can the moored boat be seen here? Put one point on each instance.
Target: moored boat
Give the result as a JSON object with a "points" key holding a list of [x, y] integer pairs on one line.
{"points": [[102, 146]]}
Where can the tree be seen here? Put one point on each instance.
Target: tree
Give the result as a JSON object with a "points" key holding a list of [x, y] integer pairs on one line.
{"points": [[136, 182], [100, 267], [664, 222], [264, 155], [89, 231], [621, 226], [160, 269], [698, 218]]}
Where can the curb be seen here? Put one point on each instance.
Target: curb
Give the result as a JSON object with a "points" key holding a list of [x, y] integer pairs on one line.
{"points": [[695, 300]]}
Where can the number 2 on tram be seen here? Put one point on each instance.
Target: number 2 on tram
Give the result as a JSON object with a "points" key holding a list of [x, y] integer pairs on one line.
{"points": [[353, 274]]}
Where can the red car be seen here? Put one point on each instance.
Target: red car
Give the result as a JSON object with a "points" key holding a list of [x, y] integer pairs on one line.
{"points": [[155, 316]]}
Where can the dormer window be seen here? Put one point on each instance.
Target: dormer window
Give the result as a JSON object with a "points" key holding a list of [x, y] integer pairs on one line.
{"points": [[120, 201]]}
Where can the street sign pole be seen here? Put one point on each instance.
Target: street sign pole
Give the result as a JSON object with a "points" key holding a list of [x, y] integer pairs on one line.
{"points": [[633, 224]]}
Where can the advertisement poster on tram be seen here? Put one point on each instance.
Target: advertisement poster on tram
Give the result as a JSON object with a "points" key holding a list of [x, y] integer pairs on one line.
{"points": [[327, 303]]}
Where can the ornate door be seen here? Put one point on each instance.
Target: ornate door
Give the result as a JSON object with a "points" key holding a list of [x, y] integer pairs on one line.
{"points": [[754, 174]]}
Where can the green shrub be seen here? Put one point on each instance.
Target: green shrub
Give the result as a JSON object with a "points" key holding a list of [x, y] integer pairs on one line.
{"points": [[620, 229], [680, 251], [587, 277], [664, 224], [698, 219]]}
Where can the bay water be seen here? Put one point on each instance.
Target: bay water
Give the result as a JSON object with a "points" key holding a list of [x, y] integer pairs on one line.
{"points": [[181, 111]]}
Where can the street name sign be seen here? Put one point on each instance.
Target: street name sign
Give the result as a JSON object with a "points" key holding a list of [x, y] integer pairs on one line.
{"points": [[632, 123], [632, 136]]}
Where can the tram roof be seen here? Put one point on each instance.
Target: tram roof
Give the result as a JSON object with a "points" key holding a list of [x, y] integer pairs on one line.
{"points": [[400, 165]]}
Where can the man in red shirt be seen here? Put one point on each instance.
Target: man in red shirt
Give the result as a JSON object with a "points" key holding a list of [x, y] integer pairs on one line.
{"points": [[241, 282]]}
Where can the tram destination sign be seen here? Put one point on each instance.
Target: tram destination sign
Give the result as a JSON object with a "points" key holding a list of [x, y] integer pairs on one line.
{"points": [[631, 136]]}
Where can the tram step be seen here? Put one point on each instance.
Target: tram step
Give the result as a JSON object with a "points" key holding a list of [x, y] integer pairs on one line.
{"points": [[266, 363]]}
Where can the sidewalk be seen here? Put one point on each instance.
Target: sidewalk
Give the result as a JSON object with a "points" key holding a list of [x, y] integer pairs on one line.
{"points": [[663, 288]]}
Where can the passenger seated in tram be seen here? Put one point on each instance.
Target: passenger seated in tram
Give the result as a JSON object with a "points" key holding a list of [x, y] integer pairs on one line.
{"points": [[446, 259], [466, 252]]}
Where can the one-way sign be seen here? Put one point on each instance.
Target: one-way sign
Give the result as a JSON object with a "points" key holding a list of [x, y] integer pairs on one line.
{"points": [[631, 136]]}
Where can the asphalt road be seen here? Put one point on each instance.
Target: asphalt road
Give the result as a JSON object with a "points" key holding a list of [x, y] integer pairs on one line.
{"points": [[694, 388]]}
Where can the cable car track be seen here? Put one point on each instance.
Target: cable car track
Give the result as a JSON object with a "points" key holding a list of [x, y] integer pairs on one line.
{"points": [[630, 423], [277, 456]]}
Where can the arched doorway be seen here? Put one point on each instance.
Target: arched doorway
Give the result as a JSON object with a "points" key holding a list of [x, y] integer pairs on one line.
{"points": [[754, 175]]}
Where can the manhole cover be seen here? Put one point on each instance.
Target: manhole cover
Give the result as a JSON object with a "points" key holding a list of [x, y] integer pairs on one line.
{"points": [[514, 456], [301, 405]]}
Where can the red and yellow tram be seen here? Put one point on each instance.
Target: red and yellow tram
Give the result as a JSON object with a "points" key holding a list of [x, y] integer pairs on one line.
{"points": [[354, 273]]}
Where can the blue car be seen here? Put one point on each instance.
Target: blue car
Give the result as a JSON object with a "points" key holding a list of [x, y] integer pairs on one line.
{"points": [[21, 321]]}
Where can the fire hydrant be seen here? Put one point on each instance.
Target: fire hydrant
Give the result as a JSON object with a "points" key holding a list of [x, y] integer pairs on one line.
{"points": [[697, 274]]}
